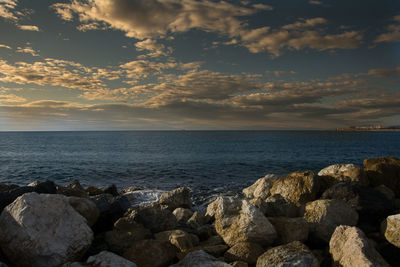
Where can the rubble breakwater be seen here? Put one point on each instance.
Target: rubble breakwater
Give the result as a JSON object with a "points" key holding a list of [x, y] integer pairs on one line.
{"points": [[344, 215]]}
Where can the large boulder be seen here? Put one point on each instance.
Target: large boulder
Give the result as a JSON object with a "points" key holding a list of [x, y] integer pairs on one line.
{"points": [[151, 253], [200, 258], [326, 214], [43, 230], [348, 173], [182, 215], [350, 247], [109, 259], [260, 189], [384, 171], [74, 189], [244, 251], [290, 229], [275, 206], [154, 217], [197, 219], [86, 208], [297, 187], [238, 221], [292, 254], [177, 198], [391, 229]]}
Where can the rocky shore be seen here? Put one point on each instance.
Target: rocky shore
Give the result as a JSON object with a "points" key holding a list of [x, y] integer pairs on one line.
{"points": [[345, 215]]}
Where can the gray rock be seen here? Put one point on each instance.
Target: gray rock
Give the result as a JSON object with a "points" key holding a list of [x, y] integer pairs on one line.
{"points": [[290, 229], [43, 230], [177, 198], [391, 229], [260, 189], [200, 258], [348, 173], [244, 251], [277, 206], [86, 208], [182, 215], [109, 259]]}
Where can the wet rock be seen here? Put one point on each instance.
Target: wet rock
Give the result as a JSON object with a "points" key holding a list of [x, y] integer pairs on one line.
{"points": [[297, 187], [109, 259], [182, 215], [260, 189], [244, 251], [111, 209], [238, 221], [325, 215], [200, 258], [180, 239], [151, 253], [73, 189], [384, 171], [177, 198], [43, 230], [350, 247], [154, 217], [290, 229], [292, 254], [86, 208], [94, 191], [391, 229], [112, 190], [348, 173], [277, 206]]}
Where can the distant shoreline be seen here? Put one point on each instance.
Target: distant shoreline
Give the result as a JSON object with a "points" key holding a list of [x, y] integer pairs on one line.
{"points": [[367, 130]]}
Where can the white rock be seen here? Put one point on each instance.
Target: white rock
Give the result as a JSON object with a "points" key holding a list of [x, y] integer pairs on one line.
{"points": [[260, 189], [43, 230], [109, 259], [350, 247], [336, 169], [199, 258], [391, 229]]}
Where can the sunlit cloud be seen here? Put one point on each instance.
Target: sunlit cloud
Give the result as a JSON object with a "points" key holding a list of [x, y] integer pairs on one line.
{"points": [[27, 50], [5, 46], [392, 33], [29, 28], [152, 48]]}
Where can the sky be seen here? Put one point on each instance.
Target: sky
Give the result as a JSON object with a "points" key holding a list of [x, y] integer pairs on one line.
{"points": [[198, 64]]}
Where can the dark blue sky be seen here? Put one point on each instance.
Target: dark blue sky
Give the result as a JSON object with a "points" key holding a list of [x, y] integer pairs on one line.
{"points": [[189, 64]]}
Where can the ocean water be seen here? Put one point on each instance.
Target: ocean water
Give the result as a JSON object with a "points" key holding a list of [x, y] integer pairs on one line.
{"points": [[208, 162]]}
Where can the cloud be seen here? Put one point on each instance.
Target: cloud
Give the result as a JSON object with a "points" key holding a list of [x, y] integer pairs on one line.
{"points": [[7, 9], [5, 46], [305, 23], [263, 7], [10, 99], [392, 33], [384, 73], [156, 18], [29, 28], [154, 49], [27, 50]]}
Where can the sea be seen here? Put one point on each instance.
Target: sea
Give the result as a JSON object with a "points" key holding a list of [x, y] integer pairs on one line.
{"points": [[210, 163]]}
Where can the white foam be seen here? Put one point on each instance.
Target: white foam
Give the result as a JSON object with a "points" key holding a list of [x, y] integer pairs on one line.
{"points": [[143, 197]]}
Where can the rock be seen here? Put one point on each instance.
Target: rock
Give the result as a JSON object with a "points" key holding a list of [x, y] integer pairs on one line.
{"points": [[386, 191], [112, 190], [244, 251], [182, 215], [384, 171], [177, 198], [43, 230], [130, 189], [151, 253], [343, 191], [7, 197], [326, 214], [111, 209], [277, 206], [290, 229], [238, 221], [197, 219], [350, 247], [260, 189], [86, 208], [180, 239], [154, 217], [125, 233], [297, 187], [93, 191], [73, 264], [391, 229], [292, 254], [239, 264], [109, 259], [348, 173], [73, 189], [205, 232], [200, 258]]}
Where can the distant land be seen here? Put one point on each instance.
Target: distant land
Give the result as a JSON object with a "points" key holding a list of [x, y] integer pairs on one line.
{"points": [[373, 128]]}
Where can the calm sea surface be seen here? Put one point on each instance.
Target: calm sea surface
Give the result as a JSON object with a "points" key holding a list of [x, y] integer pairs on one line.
{"points": [[209, 162]]}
